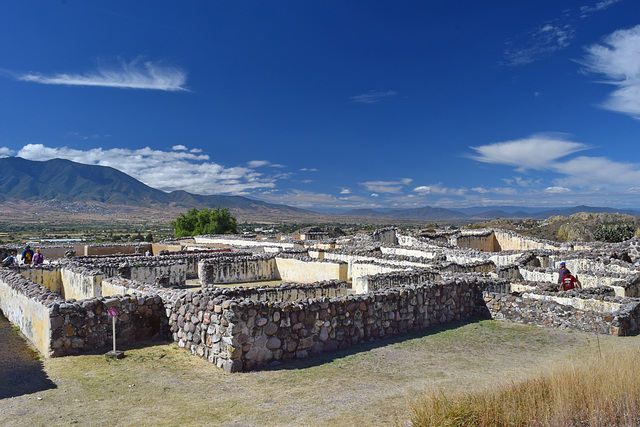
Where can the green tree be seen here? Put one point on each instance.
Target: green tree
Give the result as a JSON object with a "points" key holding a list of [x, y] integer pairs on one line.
{"points": [[205, 221], [148, 238]]}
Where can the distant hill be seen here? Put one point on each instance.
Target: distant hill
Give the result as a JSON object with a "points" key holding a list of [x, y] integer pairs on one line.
{"points": [[68, 186], [426, 213], [70, 182], [481, 214]]}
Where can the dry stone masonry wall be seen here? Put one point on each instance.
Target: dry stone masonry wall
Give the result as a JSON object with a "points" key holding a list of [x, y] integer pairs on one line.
{"points": [[402, 282]]}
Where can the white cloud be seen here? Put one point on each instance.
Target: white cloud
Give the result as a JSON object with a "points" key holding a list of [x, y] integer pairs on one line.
{"points": [[391, 187], [618, 59], [136, 74], [480, 190], [179, 148], [257, 163], [164, 170], [373, 96], [557, 190], [597, 171], [345, 191], [308, 170], [535, 152], [5, 152], [423, 190]]}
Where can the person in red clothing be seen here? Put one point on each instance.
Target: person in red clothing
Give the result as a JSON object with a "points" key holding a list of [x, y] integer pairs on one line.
{"points": [[569, 282]]}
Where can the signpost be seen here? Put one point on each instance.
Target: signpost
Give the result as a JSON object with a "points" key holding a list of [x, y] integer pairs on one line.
{"points": [[114, 354]]}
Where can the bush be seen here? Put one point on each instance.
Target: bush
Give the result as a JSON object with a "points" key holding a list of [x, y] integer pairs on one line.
{"points": [[614, 233], [205, 221]]}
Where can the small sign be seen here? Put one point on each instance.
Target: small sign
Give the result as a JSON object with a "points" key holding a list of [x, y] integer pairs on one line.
{"points": [[113, 312]]}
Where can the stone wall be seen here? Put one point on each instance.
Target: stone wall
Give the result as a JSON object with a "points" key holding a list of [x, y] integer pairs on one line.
{"points": [[415, 253], [362, 270], [484, 241], [83, 326], [394, 279], [27, 305], [386, 236], [106, 249], [252, 268], [308, 270], [243, 334], [47, 275], [244, 243], [620, 318], [59, 327], [80, 283], [266, 267], [511, 241]]}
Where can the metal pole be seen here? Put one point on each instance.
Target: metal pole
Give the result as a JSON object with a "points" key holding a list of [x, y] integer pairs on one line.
{"points": [[114, 334]]}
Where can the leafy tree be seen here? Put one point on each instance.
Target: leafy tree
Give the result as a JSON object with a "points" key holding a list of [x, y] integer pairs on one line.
{"points": [[614, 233], [205, 221], [148, 238]]}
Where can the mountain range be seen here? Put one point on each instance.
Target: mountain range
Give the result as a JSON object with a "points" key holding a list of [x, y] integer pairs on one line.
{"points": [[66, 182], [62, 182]]}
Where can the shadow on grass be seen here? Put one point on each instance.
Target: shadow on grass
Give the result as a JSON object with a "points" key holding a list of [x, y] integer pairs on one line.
{"points": [[21, 370], [329, 357]]}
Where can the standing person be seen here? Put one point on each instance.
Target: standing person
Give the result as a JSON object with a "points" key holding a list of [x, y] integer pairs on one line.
{"points": [[38, 258], [569, 282], [27, 255], [562, 271]]}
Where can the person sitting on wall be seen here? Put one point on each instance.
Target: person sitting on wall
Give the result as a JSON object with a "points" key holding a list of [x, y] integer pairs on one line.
{"points": [[38, 258], [27, 255], [569, 282], [10, 260], [561, 272]]}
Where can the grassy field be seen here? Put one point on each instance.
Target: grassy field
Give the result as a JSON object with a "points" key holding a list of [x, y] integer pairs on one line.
{"points": [[370, 384], [601, 389]]}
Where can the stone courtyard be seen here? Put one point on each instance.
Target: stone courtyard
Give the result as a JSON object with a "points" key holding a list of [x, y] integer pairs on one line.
{"points": [[330, 293]]}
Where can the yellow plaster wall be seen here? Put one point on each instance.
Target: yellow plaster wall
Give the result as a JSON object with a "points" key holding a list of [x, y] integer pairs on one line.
{"points": [[307, 271]]}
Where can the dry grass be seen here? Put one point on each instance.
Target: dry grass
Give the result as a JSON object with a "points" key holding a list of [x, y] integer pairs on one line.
{"points": [[601, 390]]}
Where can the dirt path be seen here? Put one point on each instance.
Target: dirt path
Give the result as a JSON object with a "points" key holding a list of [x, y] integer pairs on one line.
{"points": [[370, 384], [21, 370]]}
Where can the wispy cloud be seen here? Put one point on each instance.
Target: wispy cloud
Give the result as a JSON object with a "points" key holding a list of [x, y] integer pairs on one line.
{"points": [[601, 5], [165, 170], [536, 152], [388, 187], [544, 153], [78, 135], [373, 96], [548, 38], [597, 171], [424, 190], [618, 59], [257, 163], [557, 190], [135, 74]]}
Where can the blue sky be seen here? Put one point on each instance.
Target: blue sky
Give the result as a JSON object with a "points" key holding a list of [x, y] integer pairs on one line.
{"points": [[334, 104]]}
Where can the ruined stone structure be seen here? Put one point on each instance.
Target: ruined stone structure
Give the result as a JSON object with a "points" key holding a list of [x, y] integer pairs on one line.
{"points": [[336, 293]]}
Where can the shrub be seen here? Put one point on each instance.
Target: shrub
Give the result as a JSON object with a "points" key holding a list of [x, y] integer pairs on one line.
{"points": [[614, 233]]}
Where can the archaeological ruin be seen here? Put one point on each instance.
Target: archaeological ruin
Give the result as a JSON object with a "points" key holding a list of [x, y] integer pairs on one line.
{"points": [[312, 295]]}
